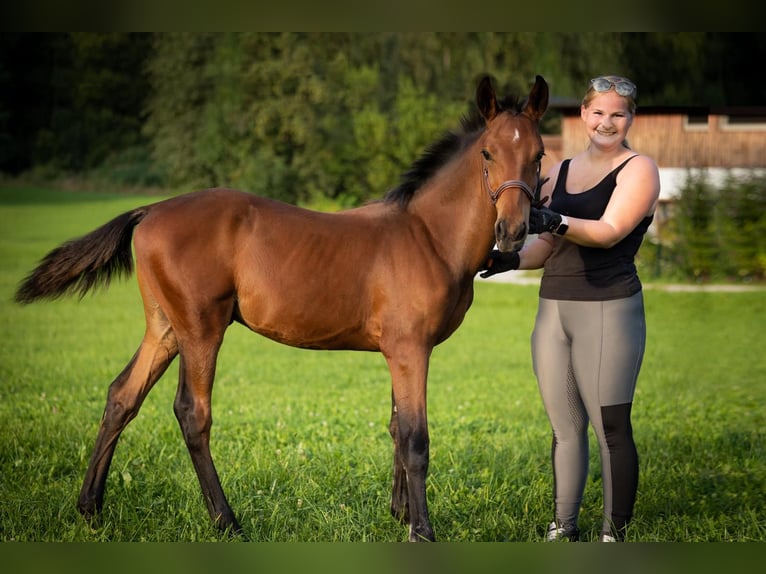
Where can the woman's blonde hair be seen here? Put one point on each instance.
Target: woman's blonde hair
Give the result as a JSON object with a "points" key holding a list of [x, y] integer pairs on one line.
{"points": [[613, 80]]}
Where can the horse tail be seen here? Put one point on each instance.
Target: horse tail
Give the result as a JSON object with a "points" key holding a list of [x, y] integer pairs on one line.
{"points": [[81, 264]]}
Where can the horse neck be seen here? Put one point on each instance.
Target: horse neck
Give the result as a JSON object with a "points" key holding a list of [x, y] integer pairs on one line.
{"points": [[458, 214]]}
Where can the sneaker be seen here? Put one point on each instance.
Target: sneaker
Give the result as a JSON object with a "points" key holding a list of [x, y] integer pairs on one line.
{"points": [[563, 533], [611, 536]]}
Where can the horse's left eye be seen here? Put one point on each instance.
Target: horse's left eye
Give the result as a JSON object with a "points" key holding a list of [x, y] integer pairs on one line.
{"points": [[486, 154]]}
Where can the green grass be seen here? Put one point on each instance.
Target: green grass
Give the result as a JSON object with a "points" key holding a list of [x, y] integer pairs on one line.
{"points": [[300, 437]]}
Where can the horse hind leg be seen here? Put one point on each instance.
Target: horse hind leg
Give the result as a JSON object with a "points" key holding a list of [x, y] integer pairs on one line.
{"points": [[124, 399], [192, 408]]}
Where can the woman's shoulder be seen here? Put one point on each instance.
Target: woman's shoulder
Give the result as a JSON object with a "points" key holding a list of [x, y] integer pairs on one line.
{"points": [[640, 162], [640, 172], [640, 167]]}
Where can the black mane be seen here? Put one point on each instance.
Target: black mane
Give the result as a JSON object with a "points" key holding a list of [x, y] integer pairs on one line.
{"points": [[440, 152]]}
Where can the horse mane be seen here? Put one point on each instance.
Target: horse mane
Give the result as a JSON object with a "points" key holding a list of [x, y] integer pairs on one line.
{"points": [[439, 153]]}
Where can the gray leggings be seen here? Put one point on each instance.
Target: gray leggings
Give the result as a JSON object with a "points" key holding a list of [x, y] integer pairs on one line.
{"points": [[586, 356]]}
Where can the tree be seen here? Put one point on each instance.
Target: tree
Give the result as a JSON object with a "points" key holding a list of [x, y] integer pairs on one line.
{"points": [[181, 87], [300, 116]]}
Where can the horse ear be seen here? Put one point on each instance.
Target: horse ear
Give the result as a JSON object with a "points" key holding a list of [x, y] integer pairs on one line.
{"points": [[537, 101], [486, 99]]}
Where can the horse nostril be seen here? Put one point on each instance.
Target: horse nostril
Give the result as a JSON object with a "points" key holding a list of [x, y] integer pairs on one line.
{"points": [[522, 233], [501, 230]]}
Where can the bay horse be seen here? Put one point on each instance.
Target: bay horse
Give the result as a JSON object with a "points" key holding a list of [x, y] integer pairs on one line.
{"points": [[393, 276]]}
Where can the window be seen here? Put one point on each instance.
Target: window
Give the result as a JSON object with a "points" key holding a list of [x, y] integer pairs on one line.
{"points": [[743, 123], [696, 123]]}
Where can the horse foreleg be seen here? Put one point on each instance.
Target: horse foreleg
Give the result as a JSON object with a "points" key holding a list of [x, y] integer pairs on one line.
{"points": [[400, 508], [193, 411], [124, 399], [411, 442]]}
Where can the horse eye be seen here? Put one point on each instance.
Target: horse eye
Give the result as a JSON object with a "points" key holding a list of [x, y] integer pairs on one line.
{"points": [[486, 154]]}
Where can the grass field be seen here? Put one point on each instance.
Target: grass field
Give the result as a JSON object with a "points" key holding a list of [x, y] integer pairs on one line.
{"points": [[300, 437]]}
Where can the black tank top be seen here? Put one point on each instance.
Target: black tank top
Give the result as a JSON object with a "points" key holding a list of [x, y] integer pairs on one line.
{"points": [[577, 273]]}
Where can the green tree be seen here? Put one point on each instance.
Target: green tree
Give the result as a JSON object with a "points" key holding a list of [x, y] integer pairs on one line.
{"points": [[99, 88], [182, 85], [694, 227], [719, 232], [741, 227], [298, 116]]}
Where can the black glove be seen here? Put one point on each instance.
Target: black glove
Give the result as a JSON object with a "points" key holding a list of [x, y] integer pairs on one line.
{"points": [[500, 261], [542, 219]]}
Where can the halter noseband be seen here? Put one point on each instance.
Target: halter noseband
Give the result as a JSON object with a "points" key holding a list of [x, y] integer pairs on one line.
{"points": [[522, 185]]}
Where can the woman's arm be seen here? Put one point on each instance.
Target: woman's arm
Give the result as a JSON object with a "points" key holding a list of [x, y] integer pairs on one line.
{"points": [[635, 197], [534, 253]]}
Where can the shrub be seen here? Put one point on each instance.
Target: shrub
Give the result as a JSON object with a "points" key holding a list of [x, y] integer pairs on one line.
{"points": [[714, 232]]}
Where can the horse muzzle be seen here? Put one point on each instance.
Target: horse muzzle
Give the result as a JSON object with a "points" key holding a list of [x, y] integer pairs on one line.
{"points": [[510, 238]]}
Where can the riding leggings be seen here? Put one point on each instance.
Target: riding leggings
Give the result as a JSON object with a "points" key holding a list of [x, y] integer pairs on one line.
{"points": [[586, 356]]}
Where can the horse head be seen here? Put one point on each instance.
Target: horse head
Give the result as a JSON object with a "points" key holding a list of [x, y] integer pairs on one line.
{"points": [[511, 152]]}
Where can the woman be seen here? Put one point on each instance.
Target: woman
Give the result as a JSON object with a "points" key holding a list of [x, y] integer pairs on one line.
{"points": [[589, 334]]}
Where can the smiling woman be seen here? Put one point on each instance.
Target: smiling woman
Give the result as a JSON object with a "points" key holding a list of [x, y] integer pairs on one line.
{"points": [[589, 336]]}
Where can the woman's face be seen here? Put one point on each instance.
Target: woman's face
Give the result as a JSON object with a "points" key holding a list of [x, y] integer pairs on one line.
{"points": [[607, 119]]}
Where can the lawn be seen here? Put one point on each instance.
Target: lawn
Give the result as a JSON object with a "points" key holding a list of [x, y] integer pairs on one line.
{"points": [[300, 437]]}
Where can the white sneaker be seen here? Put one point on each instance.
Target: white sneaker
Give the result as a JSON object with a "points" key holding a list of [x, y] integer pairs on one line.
{"points": [[566, 533], [607, 538]]}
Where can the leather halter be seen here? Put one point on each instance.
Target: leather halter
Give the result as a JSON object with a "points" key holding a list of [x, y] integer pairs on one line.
{"points": [[522, 185]]}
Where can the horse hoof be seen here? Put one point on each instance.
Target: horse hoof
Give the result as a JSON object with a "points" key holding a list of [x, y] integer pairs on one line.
{"points": [[401, 514], [230, 527], [89, 509], [236, 533], [422, 534], [91, 515]]}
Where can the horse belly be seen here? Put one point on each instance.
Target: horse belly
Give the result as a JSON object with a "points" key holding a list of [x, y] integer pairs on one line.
{"points": [[305, 318]]}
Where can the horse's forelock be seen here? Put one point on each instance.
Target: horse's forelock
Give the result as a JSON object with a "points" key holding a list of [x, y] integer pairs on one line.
{"points": [[511, 104]]}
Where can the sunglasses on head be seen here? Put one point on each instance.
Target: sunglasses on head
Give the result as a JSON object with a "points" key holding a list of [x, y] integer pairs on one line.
{"points": [[622, 87]]}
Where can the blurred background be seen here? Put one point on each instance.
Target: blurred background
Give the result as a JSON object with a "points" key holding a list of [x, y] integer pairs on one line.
{"points": [[331, 120]]}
